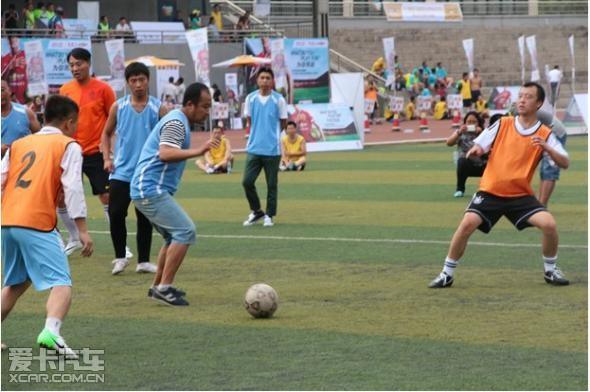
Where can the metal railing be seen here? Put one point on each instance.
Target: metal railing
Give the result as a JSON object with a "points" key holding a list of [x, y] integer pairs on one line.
{"points": [[295, 9]]}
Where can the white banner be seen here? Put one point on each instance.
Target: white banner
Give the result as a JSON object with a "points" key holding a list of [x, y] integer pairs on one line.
{"points": [[423, 104], [396, 104], [116, 54], [279, 67], [423, 12], [389, 52], [220, 111], [35, 68], [231, 86], [369, 106], [261, 8], [522, 57], [468, 47], [199, 48], [454, 101], [158, 32], [531, 44], [570, 41]]}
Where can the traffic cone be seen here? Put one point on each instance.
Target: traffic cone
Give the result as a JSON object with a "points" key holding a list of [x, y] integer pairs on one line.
{"points": [[424, 123], [395, 127], [367, 125], [456, 120]]}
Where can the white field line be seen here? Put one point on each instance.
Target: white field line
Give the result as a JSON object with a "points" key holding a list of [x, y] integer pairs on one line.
{"points": [[363, 240]]}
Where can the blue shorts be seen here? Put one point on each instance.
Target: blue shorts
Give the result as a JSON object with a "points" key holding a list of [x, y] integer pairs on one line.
{"points": [[549, 170], [36, 256], [168, 218]]}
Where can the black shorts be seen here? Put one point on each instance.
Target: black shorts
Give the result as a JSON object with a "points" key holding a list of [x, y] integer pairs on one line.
{"points": [[467, 103], [491, 208], [475, 95], [93, 167]]}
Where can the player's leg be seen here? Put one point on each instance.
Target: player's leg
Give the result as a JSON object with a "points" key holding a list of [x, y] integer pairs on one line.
{"points": [[546, 188], [201, 164], [271, 172], [462, 168], [11, 294], [16, 278], [252, 170], [546, 223], [144, 243], [300, 163], [119, 201]]}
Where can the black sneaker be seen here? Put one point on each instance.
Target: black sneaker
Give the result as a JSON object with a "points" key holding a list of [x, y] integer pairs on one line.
{"points": [[170, 296], [180, 292], [254, 217], [556, 278], [442, 280]]}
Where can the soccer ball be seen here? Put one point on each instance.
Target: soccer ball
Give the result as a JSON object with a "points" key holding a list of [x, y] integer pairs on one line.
{"points": [[261, 300]]}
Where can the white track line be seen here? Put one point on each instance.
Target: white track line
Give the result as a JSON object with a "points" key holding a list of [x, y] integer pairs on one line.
{"points": [[365, 240]]}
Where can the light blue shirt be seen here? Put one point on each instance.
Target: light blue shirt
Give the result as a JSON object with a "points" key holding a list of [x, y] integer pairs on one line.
{"points": [[16, 124], [265, 114], [132, 131], [152, 177]]}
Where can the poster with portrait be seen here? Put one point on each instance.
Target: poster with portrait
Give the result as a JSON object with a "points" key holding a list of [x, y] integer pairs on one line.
{"points": [[199, 48], [37, 81], [116, 54]]}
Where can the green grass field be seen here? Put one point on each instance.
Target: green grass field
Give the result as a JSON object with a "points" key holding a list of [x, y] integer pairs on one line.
{"points": [[359, 235]]}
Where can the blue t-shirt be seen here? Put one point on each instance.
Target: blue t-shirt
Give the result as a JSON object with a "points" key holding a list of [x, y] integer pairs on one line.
{"points": [[16, 124], [132, 130], [441, 73], [152, 177], [265, 114]]}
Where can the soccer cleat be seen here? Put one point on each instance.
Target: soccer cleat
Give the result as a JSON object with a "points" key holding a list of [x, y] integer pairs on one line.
{"points": [[128, 254], [268, 221], [119, 265], [180, 292], [146, 267], [556, 278], [72, 246], [170, 296], [458, 194], [253, 218], [55, 342], [442, 280]]}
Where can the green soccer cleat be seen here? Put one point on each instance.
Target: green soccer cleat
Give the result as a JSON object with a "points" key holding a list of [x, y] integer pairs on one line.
{"points": [[55, 342]]}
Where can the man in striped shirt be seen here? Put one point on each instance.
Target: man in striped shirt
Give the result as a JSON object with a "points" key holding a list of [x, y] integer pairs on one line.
{"points": [[155, 180]]}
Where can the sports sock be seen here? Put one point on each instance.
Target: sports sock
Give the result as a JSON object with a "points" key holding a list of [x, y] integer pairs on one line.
{"points": [[163, 287], [69, 224], [105, 207], [550, 263], [53, 324], [450, 265]]}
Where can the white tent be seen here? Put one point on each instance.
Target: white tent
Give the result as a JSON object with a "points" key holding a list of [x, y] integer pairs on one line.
{"points": [[576, 116], [348, 88]]}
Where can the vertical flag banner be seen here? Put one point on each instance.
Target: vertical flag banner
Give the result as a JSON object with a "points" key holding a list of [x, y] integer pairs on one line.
{"points": [[35, 68], [389, 52], [522, 57], [531, 44], [570, 41], [231, 94], [199, 48], [279, 67], [468, 47], [116, 54]]}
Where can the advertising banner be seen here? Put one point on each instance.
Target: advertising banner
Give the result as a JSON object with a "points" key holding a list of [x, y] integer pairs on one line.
{"points": [[199, 48], [116, 54], [37, 82]]}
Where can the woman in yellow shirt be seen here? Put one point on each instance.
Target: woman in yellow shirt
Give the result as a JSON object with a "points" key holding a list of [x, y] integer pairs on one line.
{"points": [[217, 160], [294, 150]]}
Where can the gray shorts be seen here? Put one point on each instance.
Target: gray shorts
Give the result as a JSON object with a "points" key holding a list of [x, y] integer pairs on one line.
{"points": [[549, 170]]}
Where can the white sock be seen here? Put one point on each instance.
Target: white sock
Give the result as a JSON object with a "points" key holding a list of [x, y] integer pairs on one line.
{"points": [[53, 324], [549, 263], [105, 207], [450, 265], [163, 287], [69, 224]]}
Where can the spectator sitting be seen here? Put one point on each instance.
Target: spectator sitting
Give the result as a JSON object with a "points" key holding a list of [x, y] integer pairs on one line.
{"points": [[378, 66], [481, 107], [217, 159], [180, 19], [440, 88], [294, 150], [29, 15], [194, 20], [441, 73], [10, 18], [212, 27], [56, 23], [400, 81], [170, 89], [410, 110], [216, 15], [440, 109], [40, 16], [463, 137], [103, 27], [123, 24], [180, 89]]}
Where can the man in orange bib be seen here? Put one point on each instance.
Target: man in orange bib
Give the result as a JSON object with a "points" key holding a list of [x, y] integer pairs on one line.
{"points": [[38, 170], [517, 145]]}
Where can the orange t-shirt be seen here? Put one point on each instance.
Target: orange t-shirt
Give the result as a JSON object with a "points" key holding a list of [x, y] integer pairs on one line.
{"points": [[94, 100], [513, 160], [371, 94], [34, 181]]}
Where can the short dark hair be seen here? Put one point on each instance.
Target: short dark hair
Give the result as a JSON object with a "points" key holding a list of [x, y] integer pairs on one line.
{"points": [[265, 70], [59, 108], [180, 80], [495, 118], [79, 54], [477, 116], [122, 17], [291, 122], [540, 90], [135, 69], [465, 74], [171, 79], [443, 98], [193, 93]]}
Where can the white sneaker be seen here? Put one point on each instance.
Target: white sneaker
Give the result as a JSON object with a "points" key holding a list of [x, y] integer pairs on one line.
{"points": [[253, 217], [268, 221], [282, 167], [72, 246], [128, 254], [146, 267], [210, 170], [120, 265]]}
